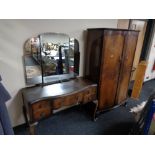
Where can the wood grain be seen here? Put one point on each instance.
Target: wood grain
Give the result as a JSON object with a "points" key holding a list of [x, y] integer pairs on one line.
{"points": [[41, 101], [126, 66], [110, 66], [139, 80], [109, 59]]}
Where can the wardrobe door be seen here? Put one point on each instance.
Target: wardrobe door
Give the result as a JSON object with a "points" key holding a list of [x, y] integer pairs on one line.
{"points": [[110, 67], [126, 66]]}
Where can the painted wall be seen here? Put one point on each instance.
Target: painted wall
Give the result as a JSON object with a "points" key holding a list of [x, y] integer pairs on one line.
{"points": [[149, 74], [13, 34]]}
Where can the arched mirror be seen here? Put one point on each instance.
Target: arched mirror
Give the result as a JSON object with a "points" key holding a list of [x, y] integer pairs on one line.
{"points": [[51, 58]]}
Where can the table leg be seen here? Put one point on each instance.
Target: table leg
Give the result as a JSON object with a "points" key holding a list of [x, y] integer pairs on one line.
{"points": [[95, 110], [32, 128], [25, 116]]}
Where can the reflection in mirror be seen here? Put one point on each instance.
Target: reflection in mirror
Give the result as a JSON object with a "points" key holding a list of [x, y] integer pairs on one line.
{"points": [[51, 57], [54, 53]]}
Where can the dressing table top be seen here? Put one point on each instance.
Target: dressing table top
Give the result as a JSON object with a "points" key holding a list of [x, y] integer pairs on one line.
{"points": [[38, 93]]}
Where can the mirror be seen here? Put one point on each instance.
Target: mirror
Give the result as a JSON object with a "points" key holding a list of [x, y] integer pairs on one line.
{"points": [[51, 58]]}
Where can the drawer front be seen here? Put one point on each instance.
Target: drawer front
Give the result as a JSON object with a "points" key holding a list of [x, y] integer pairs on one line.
{"points": [[67, 100], [94, 90], [58, 103], [41, 105], [79, 97], [90, 95], [70, 100], [41, 110], [89, 98], [91, 91], [41, 114]]}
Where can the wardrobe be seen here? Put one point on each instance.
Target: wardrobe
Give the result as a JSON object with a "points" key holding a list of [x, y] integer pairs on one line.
{"points": [[108, 62]]}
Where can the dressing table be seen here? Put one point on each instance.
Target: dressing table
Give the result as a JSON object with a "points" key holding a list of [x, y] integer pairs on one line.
{"points": [[51, 64], [41, 102]]}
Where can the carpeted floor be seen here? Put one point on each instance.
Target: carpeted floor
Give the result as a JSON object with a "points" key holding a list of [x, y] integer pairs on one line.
{"points": [[76, 120]]}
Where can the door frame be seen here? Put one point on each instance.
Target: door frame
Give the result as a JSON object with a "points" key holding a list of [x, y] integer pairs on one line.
{"points": [[147, 39]]}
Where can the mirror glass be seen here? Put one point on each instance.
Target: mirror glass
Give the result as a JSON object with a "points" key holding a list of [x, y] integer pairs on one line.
{"points": [[50, 58]]}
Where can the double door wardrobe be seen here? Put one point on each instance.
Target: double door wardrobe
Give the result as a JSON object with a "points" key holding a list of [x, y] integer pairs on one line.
{"points": [[108, 62]]}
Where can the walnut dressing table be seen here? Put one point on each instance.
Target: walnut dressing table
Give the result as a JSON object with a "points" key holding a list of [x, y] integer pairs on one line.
{"points": [[51, 62], [41, 101]]}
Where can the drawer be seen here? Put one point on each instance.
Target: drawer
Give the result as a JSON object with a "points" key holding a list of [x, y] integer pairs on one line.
{"points": [[94, 90], [89, 95], [37, 115], [90, 91], [58, 103], [41, 105], [67, 101], [41, 109], [87, 98], [80, 96], [94, 96], [70, 100]]}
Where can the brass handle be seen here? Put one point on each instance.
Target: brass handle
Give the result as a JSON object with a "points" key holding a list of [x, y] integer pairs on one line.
{"points": [[133, 69]]}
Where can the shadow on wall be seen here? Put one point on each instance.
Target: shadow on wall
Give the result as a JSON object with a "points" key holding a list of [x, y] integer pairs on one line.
{"points": [[16, 116]]}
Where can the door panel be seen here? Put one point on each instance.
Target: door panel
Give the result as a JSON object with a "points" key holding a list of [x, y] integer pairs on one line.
{"points": [[126, 67], [110, 67]]}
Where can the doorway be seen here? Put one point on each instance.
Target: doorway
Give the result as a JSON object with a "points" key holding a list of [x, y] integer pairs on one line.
{"points": [[139, 25], [143, 26]]}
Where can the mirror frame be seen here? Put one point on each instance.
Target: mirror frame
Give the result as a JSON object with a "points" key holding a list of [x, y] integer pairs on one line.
{"points": [[45, 80]]}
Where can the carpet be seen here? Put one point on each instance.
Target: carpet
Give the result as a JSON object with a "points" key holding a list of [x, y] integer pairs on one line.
{"points": [[77, 121]]}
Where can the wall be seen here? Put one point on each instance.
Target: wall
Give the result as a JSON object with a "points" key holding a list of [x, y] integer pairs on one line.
{"points": [[149, 74], [13, 34]]}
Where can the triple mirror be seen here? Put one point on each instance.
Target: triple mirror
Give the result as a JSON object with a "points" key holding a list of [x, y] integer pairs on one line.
{"points": [[51, 58]]}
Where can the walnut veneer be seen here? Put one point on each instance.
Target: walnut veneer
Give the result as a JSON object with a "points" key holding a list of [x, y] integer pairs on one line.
{"points": [[40, 102]]}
